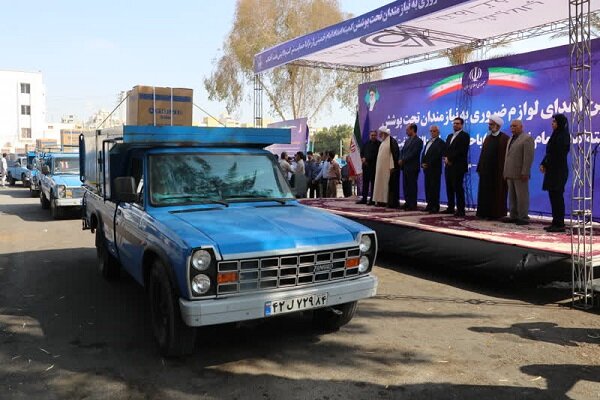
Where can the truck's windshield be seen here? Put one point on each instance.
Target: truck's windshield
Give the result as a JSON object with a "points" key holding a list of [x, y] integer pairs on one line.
{"points": [[199, 178], [66, 166]]}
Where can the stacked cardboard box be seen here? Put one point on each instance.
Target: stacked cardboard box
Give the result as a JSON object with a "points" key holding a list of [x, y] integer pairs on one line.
{"points": [[151, 105]]}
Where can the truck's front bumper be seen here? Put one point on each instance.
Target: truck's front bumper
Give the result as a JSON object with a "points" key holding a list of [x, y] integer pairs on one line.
{"points": [[252, 306], [68, 202]]}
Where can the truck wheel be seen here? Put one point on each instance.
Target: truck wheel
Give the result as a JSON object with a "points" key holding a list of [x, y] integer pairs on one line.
{"points": [[332, 318], [55, 209], [44, 201], [108, 265], [24, 181], [174, 337]]}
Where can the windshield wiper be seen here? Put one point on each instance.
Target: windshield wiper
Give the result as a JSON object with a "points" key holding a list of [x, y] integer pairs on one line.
{"points": [[251, 197]]}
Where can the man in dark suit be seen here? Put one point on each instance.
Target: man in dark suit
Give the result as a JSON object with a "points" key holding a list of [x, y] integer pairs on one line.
{"points": [[431, 162], [455, 159], [409, 163], [368, 156]]}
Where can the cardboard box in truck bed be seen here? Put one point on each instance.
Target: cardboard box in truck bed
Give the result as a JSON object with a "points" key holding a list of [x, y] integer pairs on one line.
{"points": [[151, 105]]}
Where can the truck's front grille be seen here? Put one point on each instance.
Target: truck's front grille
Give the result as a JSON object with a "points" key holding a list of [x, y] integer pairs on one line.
{"points": [[287, 271], [77, 192]]}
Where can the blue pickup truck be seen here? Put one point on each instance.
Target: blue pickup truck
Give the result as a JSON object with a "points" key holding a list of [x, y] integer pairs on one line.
{"points": [[21, 169], [59, 183], [204, 219]]}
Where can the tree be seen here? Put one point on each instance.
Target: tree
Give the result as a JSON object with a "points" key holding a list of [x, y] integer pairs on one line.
{"points": [[329, 138], [292, 91]]}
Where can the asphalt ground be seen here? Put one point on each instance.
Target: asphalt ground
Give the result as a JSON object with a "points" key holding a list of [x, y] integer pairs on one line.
{"points": [[65, 333]]}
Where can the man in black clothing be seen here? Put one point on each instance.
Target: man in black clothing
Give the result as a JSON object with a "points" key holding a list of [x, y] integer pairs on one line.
{"points": [[455, 159], [368, 156], [431, 162], [410, 155]]}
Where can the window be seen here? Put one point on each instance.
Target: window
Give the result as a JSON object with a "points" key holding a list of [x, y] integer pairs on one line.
{"points": [[25, 110], [182, 178], [25, 133], [25, 88]]}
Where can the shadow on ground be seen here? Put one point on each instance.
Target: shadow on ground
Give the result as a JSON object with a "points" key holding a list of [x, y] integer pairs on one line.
{"points": [[66, 333]]}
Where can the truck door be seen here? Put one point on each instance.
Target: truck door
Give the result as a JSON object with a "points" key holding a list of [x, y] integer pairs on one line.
{"points": [[130, 225]]}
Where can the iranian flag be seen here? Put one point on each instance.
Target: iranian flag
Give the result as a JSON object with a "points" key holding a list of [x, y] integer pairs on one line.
{"points": [[355, 143]]}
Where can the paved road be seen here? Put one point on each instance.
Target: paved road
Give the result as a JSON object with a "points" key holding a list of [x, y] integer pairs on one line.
{"points": [[67, 334]]}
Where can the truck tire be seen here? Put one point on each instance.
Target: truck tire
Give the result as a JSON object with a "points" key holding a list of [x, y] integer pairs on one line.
{"points": [[108, 265], [44, 201], [332, 318], [24, 181], [173, 336], [55, 210]]}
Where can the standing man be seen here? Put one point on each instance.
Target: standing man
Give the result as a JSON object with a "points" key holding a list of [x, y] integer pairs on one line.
{"points": [[311, 170], [368, 156], [323, 172], [455, 159], [285, 166], [334, 175], [385, 189], [409, 164], [491, 195], [517, 171], [3, 169], [431, 162], [346, 181]]}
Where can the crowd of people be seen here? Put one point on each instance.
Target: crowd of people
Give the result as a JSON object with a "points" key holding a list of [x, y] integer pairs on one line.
{"points": [[316, 174], [504, 169]]}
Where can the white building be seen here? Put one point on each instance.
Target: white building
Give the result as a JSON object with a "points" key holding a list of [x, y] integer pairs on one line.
{"points": [[22, 110]]}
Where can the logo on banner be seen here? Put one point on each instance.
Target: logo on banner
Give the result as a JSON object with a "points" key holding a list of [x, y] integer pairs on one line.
{"points": [[477, 78], [396, 37]]}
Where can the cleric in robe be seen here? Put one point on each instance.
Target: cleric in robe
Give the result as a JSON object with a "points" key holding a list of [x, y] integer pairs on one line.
{"points": [[386, 187], [491, 197]]}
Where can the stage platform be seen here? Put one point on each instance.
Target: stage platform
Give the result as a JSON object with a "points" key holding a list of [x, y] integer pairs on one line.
{"points": [[461, 243]]}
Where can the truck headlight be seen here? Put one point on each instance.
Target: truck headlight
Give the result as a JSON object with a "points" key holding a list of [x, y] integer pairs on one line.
{"points": [[365, 243], [61, 191], [200, 284], [201, 260], [363, 265]]}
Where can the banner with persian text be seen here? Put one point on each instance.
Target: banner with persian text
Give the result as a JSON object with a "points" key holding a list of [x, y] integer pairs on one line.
{"points": [[530, 87]]}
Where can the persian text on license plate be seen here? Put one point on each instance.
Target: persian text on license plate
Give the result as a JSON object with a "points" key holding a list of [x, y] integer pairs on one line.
{"points": [[296, 304]]}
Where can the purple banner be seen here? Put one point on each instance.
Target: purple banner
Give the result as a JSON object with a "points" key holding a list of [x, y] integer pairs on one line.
{"points": [[530, 87], [384, 17], [299, 139]]}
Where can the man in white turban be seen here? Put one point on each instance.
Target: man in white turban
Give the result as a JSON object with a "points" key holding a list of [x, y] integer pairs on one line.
{"points": [[492, 191], [386, 187]]}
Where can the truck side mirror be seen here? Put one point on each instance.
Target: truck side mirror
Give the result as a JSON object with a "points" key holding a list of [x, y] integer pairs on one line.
{"points": [[124, 189], [45, 170]]}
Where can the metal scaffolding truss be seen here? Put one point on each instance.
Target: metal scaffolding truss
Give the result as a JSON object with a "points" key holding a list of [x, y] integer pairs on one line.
{"points": [[578, 27], [582, 153]]}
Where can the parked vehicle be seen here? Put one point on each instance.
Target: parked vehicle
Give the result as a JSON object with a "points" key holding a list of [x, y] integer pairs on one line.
{"points": [[19, 170], [60, 186], [206, 221]]}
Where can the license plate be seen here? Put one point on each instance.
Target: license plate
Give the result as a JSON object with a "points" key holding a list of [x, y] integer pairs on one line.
{"points": [[277, 307]]}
